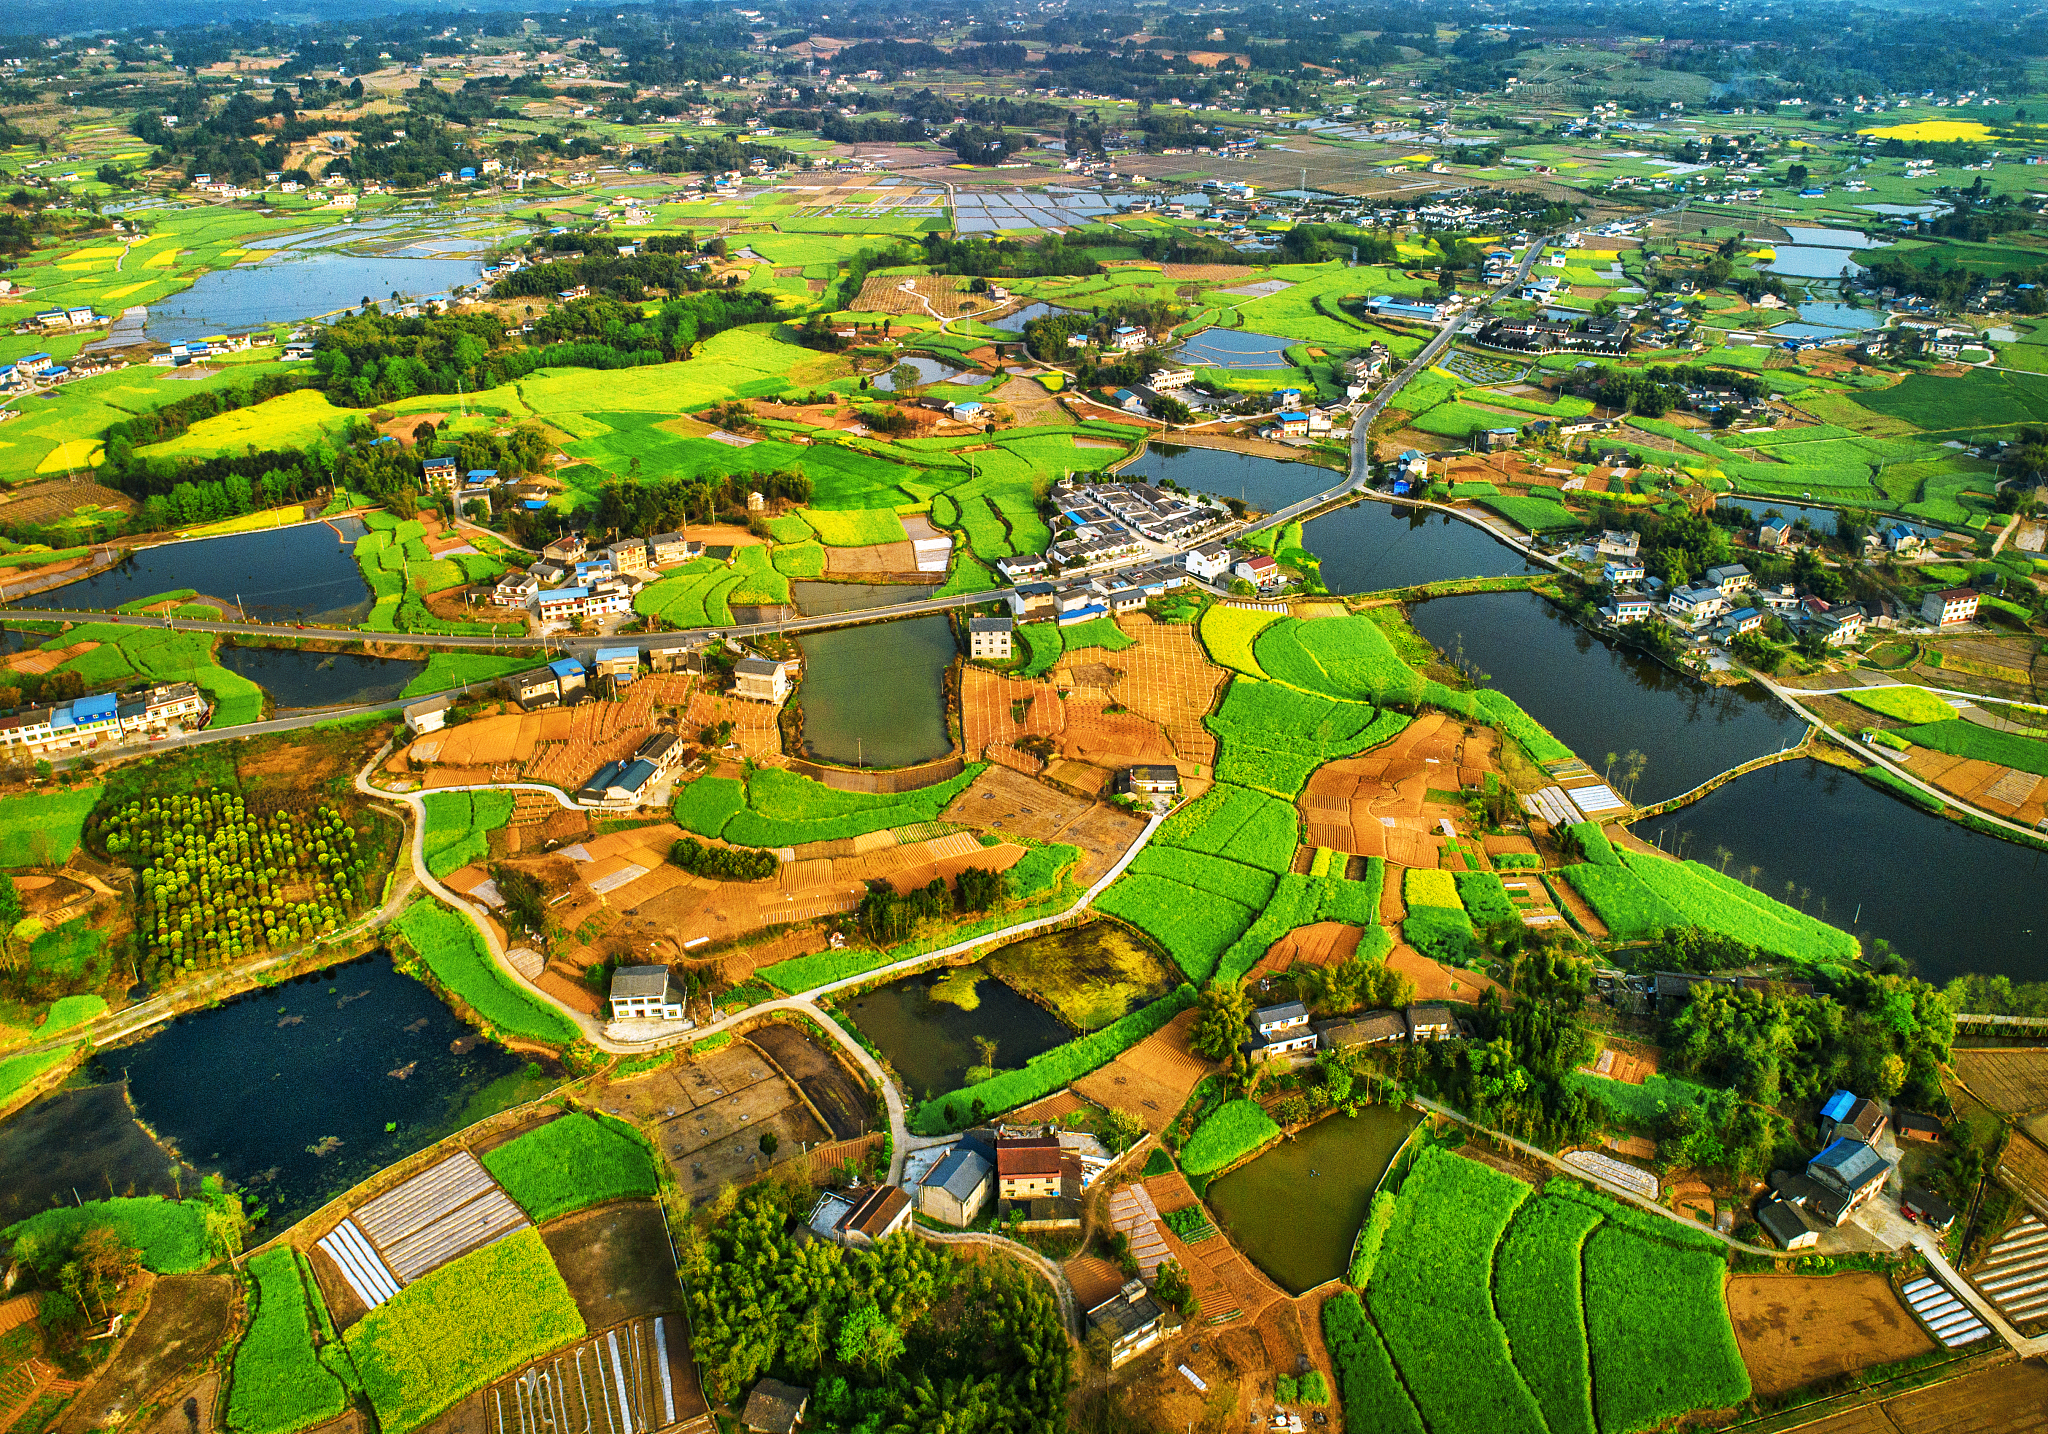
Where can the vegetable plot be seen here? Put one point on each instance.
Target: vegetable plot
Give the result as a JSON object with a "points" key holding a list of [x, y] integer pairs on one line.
{"points": [[1233, 1131], [279, 1384]]}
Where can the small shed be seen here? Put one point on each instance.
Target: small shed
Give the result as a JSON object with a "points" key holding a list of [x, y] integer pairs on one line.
{"points": [[775, 1407], [1784, 1225]]}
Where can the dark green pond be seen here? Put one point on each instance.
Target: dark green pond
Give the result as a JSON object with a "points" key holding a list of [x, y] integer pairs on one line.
{"points": [[875, 696], [1297, 1208], [930, 1042], [320, 679], [293, 1093]]}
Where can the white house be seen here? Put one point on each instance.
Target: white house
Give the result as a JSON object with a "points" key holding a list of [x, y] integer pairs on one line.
{"points": [[989, 638], [1210, 562], [759, 679], [645, 993]]}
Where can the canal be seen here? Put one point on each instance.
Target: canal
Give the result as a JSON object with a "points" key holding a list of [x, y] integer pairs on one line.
{"points": [[875, 696], [292, 1093]]}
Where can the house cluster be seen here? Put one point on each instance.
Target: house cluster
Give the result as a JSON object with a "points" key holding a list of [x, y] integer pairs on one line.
{"points": [[42, 732], [1097, 522], [1026, 1166], [1600, 335], [571, 579], [1292, 417], [1084, 599], [1849, 1170], [628, 782], [1365, 368], [60, 321], [1285, 1029]]}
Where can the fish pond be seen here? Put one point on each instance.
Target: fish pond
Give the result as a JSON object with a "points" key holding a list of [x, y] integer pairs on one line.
{"points": [[929, 370], [926, 1026], [1988, 921], [1296, 1209], [1091, 975], [1263, 483], [875, 696], [293, 1093], [294, 678], [302, 573], [1014, 323], [818, 599], [1235, 348]]}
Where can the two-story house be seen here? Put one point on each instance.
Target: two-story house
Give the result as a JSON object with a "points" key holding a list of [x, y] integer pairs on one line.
{"points": [[1280, 1030]]}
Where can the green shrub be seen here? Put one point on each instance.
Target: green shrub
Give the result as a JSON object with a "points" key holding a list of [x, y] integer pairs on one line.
{"points": [[170, 1236], [571, 1162], [458, 1328], [279, 1384], [1231, 1132]]}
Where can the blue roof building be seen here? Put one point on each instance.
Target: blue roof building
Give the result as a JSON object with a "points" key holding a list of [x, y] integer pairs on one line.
{"points": [[102, 708], [483, 475], [566, 666], [1839, 1105]]}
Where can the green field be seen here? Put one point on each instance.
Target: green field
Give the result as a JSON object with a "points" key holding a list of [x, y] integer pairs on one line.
{"points": [[454, 952], [458, 827], [458, 1328], [279, 1385], [453, 669], [782, 808], [571, 1162], [1231, 1132], [1982, 744], [169, 1235], [42, 828]]}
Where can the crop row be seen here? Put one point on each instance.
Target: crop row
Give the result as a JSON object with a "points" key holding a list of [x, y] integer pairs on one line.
{"points": [[458, 1328], [1195, 927], [458, 827], [1045, 1073], [1230, 632], [279, 1384], [1217, 875], [1231, 1132], [1536, 1290], [1630, 909], [1367, 1384], [775, 807], [1442, 933], [1431, 1296], [1427, 886], [1274, 737]]}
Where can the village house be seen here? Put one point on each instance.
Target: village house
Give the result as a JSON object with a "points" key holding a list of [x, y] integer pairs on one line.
{"points": [[1259, 570], [661, 751], [1853, 1118], [1280, 1030], [1852, 1172], [761, 679], [1619, 543], [1949, 606], [1774, 534], [1021, 566], [537, 687], [1209, 562], [775, 1407], [428, 716], [645, 993], [440, 474], [618, 786], [1696, 605], [1910, 1125], [569, 548], [667, 548], [1027, 1167], [1131, 1318], [1927, 1207], [1431, 1021], [1781, 1221], [1162, 780], [515, 589], [620, 664], [1625, 608], [1033, 601], [1729, 578], [989, 638], [1367, 1028], [957, 1188], [629, 555], [1840, 625], [861, 1219], [569, 676], [1620, 571]]}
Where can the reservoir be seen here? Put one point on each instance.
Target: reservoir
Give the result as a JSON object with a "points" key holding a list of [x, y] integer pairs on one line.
{"points": [[320, 679], [303, 573], [1600, 698], [293, 1093], [875, 696], [295, 286], [1370, 546], [1297, 1208], [1266, 484], [930, 1042], [1948, 899]]}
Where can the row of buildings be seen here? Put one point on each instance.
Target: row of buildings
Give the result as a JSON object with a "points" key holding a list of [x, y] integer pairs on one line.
{"points": [[570, 579], [106, 719], [1285, 1029]]}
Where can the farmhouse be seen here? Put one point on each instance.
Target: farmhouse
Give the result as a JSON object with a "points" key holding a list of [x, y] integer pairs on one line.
{"points": [[1851, 1171], [760, 679], [1854, 1119], [1907, 1125], [957, 1189], [1159, 780], [775, 1407], [516, 590], [646, 993], [989, 638], [428, 716], [620, 664], [1783, 1224], [1367, 1028], [861, 1220], [1259, 570], [1918, 1204], [1132, 1319], [1431, 1021], [538, 688], [1027, 1167], [1952, 605], [1281, 1030], [1210, 562]]}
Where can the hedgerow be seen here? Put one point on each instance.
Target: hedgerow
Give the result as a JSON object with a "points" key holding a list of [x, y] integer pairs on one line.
{"points": [[458, 1328], [1232, 1131], [1043, 1074], [1658, 1330], [571, 1162], [1367, 1386], [1536, 1291], [279, 1384], [1372, 1238], [1431, 1295]]}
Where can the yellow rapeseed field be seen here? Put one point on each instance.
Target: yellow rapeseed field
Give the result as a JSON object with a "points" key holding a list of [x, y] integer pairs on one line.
{"points": [[1935, 131]]}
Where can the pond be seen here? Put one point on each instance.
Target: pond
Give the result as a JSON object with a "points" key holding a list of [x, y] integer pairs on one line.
{"points": [[1266, 484], [320, 679], [1802, 261], [1091, 975], [302, 573], [1371, 545], [1235, 348], [929, 370], [1948, 899], [293, 1093], [875, 696], [1296, 1209], [930, 1042], [1600, 698], [297, 286], [1014, 323], [815, 599], [1821, 520]]}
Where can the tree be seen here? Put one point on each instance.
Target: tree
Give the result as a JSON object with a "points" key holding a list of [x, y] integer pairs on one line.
{"points": [[1119, 1129], [1221, 1028], [1172, 1288], [867, 1339], [768, 1142]]}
